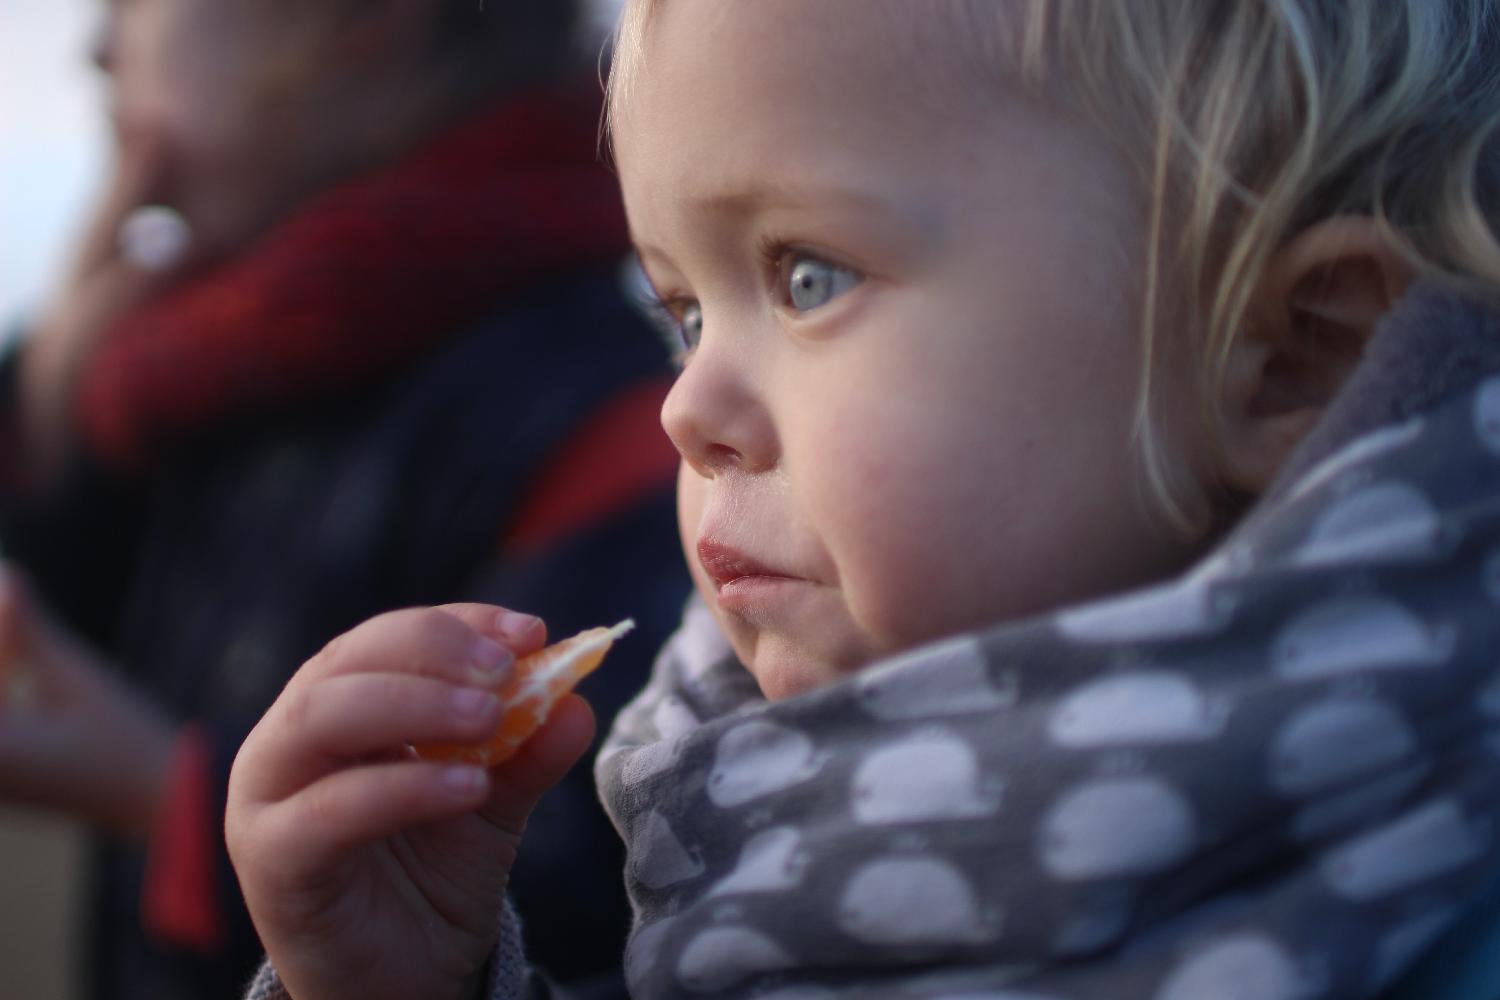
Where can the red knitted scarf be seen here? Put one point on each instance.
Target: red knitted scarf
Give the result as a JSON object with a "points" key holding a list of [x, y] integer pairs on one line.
{"points": [[363, 280]]}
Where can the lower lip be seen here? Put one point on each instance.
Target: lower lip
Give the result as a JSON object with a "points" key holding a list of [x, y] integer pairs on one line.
{"points": [[749, 593]]}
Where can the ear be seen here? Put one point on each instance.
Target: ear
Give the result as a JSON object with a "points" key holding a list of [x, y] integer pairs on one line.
{"points": [[1318, 304]]}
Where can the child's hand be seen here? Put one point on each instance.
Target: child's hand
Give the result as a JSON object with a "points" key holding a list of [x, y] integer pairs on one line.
{"points": [[370, 873]]}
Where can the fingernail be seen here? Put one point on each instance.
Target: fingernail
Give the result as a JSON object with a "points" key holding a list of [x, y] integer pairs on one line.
{"points": [[463, 778], [514, 625], [490, 661], [473, 703]]}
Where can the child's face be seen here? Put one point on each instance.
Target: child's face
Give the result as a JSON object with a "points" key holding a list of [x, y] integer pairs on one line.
{"points": [[910, 410]]}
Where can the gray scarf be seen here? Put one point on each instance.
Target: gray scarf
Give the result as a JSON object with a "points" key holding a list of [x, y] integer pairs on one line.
{"points": [[1277, 777]]}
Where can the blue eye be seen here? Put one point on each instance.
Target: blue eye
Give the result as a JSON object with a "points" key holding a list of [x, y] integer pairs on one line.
{"points": [[678, 322], [689, 327], [681, 324], [811, 282]]}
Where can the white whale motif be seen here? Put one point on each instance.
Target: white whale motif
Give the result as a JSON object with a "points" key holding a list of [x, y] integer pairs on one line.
{"points": [[648, 761], [1400, 947], [1149, 706], [757, 759], [672, 717], [912, 900], [724, 956], [1183, 608], [1487, 415], [770, 861], [1334, 741], [1241, 967], [1357, 452], [643, 953], [1390, 520], [1116, 827], [1358, 807], [952, 679], [1352, 635], [923, 777], [1427, 843], [662, 860]]}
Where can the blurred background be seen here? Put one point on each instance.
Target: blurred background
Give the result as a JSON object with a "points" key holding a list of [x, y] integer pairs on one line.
{"points": [[54, 154], [52, 142]]}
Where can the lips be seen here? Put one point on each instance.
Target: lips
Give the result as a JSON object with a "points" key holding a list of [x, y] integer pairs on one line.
{"points": [[725, 565]]}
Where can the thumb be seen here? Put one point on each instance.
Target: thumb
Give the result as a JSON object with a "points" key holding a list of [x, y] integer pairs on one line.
{"points": [[520, 782]]}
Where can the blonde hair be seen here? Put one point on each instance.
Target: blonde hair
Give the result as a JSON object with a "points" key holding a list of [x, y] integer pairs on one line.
{"points": [[1247, 121]]}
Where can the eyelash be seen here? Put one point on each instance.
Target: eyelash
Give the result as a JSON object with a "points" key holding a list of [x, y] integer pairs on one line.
{"points": [[665, 316], [665, 312]]}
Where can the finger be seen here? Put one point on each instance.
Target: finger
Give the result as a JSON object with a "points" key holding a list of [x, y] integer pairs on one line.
{"points": [[138, 178], [355, 715], [359, 805], [429, 642], [543, 761], [520, 632]]}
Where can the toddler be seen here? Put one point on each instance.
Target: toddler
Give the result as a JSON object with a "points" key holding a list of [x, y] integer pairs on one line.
{"points": [[990, 315]]}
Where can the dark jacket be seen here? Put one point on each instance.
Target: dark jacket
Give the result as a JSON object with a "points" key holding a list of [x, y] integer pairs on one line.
{"points": [[216, 575]]}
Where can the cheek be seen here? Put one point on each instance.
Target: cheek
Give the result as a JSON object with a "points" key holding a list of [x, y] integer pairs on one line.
{"points": [[190, 69], [896, 504], [691, 491]]}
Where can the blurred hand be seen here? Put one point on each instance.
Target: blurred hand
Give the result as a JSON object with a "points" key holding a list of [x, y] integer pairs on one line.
{"points": [[99, 288], [81, 742], [370, 873]]}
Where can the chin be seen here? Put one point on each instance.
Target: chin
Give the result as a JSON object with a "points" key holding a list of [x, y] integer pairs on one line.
{"points": [[784, 671]]}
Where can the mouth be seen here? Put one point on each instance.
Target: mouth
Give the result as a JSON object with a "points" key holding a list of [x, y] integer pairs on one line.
{"points": [[725, 565]]}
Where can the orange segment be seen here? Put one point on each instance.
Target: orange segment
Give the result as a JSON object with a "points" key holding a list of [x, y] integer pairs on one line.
{"points": [[537, 684]]}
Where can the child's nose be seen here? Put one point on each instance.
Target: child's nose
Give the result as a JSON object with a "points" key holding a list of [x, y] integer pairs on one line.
{"points": [[716, 419]]}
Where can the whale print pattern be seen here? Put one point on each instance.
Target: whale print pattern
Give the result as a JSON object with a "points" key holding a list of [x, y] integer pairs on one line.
{"points": [[1192, 607], [1394, 519], [1355, 635], [757, 759], [954, 681], [938, 904], [1135, 708], [1115, 827], [1303, 733], [927, 777], [1248, 967], [1331, 742]]}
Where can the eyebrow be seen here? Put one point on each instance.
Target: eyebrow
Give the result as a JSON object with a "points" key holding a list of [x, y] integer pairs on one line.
{"points": [[754, 195], [758, 193]]}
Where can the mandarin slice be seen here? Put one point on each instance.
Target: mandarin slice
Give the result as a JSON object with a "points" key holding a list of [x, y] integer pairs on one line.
{"points": [[539, 682]]}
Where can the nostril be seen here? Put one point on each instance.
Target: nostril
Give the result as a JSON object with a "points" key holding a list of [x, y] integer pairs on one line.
{"points": [[721, 456]]}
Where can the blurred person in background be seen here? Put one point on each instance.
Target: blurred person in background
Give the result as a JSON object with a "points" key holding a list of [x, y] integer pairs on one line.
{"points": [[345, 334]]}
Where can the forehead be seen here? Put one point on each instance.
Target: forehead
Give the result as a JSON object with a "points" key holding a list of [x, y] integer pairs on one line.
{"points": [[715, 90]]}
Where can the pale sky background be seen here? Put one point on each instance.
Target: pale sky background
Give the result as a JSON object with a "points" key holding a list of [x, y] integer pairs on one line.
{"points": [[52, 142]]}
